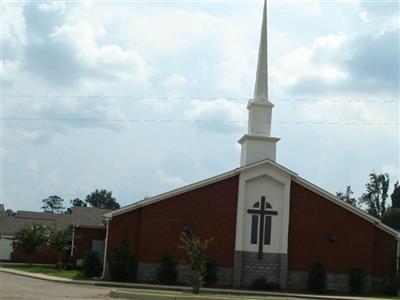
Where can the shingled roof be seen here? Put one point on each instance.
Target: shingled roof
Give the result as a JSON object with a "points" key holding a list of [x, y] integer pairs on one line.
{"points": [[80, 216]]}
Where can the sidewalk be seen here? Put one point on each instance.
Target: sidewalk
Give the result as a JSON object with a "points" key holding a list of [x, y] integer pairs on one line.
{"points": [[179, 288]]}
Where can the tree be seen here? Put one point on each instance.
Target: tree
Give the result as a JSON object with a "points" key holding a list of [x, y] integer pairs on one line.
{"points": [[76, 203], [375, 197], [58, 239], [392, 218], [53, 204], [347, 196], [197, 262], [102, 199], [396, 195], [30, 239]]}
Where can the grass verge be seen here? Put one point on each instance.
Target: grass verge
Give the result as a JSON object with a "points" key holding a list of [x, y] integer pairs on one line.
{"points": [[185, 295], [49, 270]]}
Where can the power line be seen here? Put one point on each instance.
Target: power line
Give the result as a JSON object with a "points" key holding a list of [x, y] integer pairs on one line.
{"points": [[177, 121], [166, 98]]}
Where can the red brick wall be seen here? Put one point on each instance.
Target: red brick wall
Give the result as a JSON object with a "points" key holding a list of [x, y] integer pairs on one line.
{"points": [[384, 251], [358, 242], [126, 224], [155, 228], [84, 238], [46, 255]]}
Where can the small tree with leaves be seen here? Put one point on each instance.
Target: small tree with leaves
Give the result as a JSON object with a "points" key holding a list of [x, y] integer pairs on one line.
{"points": [[30, 239], [347, 196], [53, 204], [375, 197], [195, 250], [58, 239]]}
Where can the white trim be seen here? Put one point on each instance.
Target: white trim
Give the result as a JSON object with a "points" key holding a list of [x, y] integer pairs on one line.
{"points": [[73, 241], [105, 251], [345, 205], [258, 137], [6, 236]]}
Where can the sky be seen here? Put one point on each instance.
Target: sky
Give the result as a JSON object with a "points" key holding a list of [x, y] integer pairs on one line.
{"points": [[141, 97]]}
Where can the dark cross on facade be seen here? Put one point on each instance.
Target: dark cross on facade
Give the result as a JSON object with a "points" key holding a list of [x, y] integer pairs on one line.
{"points": [[262, 212]]}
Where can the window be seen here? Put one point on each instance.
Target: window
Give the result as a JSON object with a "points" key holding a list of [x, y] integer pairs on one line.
{"points": [[188, 229], [254, 229], [267, 230], [255, 224]]}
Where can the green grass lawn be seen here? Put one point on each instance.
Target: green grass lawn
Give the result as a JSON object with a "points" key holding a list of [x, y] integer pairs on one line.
{"points": [[49, 270]]}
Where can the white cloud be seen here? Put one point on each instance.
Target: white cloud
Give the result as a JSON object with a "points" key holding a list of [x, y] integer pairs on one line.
{"points": [[364, 16], [171, 182], [392, 170], [224, 113], [52, 6], [175, 80], [317, 61], [32, 167]]}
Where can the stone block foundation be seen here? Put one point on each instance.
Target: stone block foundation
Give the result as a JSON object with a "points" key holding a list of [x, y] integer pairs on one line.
{"points": [[247, 268], [337, 282], [148, 272]]}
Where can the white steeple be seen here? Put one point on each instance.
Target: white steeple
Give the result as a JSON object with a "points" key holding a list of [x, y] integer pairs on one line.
{"points": [[261, 87], [258, 144]]}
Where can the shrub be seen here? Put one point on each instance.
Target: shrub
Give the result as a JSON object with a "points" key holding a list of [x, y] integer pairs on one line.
{"points": [[316, 281], [167, 273], [357, 277], [30, 239], [391, 286], [58, 239], [123, 266], [211, 276], [264, 284], [260, 284], [69, 266], [91, 264]]}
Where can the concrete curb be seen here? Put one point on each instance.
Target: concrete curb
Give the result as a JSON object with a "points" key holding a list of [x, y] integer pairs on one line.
{"points": [[144, 296], [145, 286]]}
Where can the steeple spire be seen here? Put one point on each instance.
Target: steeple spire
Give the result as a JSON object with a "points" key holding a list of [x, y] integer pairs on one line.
{"points": [[261, 86], [258, 144]]}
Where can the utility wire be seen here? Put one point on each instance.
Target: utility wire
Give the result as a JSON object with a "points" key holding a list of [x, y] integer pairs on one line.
{"points": [[15, 97], [177, 121]]}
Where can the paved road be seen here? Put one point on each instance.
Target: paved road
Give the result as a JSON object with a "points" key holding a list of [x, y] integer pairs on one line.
{"points": [[21, 287]]}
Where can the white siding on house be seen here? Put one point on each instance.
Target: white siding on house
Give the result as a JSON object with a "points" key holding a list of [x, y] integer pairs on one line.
{"points": [[5, 248]]}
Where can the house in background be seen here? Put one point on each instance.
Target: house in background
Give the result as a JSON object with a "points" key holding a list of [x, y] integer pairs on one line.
{"points": [[88, 233]]}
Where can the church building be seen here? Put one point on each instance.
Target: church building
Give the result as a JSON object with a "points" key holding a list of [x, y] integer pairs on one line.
{"points": [[266, 221]]}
